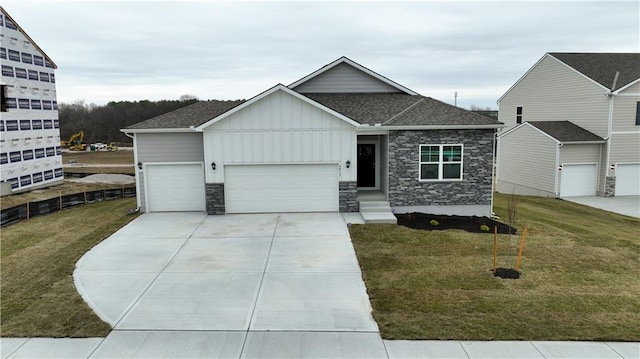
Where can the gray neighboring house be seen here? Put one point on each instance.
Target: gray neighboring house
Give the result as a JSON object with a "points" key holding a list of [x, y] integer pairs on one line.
{"points": [[340, 136], [573, 127]]}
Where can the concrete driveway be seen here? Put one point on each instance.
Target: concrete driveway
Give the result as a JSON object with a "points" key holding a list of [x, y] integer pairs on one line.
{"points": [[236, 284], [626, 205]]}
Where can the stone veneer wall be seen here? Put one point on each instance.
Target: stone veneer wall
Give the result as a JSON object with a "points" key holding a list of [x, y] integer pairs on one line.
{"points": [[214, 195], [475, 188], [610, 186], [348, 201]]}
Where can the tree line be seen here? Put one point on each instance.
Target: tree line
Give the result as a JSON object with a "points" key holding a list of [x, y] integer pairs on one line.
{"points": [[103, 123]]}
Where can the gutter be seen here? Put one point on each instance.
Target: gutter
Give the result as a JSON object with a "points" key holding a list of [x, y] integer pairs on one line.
{"points": [[556, 190], [433, 127]]}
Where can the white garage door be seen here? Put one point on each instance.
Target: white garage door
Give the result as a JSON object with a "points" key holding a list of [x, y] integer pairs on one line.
{"points": [[627, 179], [578, 180], [175, 187], [281, 188]]}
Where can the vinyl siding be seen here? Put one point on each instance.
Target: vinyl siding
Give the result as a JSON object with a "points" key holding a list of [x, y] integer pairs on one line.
{"points": [[169, 147], [280, 128], [625, 147], [551, 91], [624, 111], [587, 153], [344, 78], [526, 162]]}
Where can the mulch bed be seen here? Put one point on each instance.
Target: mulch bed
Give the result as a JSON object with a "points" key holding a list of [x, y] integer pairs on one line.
{"points": [[431, 222]]}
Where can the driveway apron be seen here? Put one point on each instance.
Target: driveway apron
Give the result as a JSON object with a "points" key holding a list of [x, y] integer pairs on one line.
{"points": [[249, 283]]}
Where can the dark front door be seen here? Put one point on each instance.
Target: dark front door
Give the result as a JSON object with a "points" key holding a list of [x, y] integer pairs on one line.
{"points": [[366, 165]]}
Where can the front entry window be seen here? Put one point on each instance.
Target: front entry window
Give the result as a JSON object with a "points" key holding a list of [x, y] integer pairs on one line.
{"points": [[366, 165], [440, 162]]}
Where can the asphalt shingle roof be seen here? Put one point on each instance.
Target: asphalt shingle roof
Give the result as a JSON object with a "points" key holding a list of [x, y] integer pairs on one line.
{"points": [[398, 109], [602, 67], [192, 115], [566, 131]]}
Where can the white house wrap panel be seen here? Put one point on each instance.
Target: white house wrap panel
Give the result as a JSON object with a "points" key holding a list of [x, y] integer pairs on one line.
{"points": [[280, 129]]}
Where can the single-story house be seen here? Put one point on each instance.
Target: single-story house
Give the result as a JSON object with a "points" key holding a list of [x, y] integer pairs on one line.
{"points": [[338, 136]]}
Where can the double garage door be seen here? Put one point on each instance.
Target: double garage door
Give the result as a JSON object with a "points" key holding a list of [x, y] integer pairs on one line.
{"points": [[281, 188], [628, 179], [247, 188]]}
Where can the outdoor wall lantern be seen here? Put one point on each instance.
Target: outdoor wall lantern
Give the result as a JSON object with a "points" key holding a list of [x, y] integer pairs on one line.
{"points": [[213, 166], [612, 167], [139, 165], [560, 168], [348, 163]]}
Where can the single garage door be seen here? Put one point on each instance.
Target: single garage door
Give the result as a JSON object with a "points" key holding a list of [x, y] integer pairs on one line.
{"points": [[175, 187], [578, 180], [281, 188], [628, 179]]}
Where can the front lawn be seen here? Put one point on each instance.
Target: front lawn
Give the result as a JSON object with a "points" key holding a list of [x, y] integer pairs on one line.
{"points": [[580, 277], [38, 297]]}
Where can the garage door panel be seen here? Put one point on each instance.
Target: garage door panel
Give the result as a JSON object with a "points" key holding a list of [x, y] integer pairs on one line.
{"points": [[281, 188], [627, 179], [578, 180], [177, 187]]}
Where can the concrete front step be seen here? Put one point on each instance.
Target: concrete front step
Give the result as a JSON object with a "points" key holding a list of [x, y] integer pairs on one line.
{"points": [[378, 217], [377, 212], [375, 206]]}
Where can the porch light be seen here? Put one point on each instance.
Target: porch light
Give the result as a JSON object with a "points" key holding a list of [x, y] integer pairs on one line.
{"points": [[348, 163], [213, 166], [139, 165]]}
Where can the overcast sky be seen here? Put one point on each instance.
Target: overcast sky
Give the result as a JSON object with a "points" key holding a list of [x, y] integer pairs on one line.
{"points": [[136, 50]]}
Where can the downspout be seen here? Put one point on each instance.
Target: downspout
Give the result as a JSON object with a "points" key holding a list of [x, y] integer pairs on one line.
{"points": [[135, 170], [494, 168], [609, 130], [611, 95], [558, 169]]}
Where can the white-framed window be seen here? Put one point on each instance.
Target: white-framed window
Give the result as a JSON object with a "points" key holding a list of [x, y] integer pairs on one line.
{"points": [[440, 162]]}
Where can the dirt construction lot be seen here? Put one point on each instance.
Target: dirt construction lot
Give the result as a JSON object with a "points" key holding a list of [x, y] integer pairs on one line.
{"points": [[73, 162]]}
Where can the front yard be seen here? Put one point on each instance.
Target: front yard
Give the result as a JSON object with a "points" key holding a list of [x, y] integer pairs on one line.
{"points": [[38, 296], [580, 277]]}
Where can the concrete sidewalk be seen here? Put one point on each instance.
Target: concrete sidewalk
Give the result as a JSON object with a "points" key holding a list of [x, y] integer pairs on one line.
{"points": [[187, 285], [204, 344]]}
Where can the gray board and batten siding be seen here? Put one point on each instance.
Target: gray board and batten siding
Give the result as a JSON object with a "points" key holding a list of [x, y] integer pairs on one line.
{"points": [[166, 148]]}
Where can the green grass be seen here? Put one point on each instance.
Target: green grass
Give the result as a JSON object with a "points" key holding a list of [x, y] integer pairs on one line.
{"points": [[38, 297], [580, 277]]}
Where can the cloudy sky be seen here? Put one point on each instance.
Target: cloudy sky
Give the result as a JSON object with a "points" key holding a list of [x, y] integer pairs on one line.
{"points": [[136, 50]]}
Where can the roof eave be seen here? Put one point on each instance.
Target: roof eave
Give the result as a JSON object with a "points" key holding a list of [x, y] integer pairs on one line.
{"points": [[157, 130], [583, 142], [437, 127]]}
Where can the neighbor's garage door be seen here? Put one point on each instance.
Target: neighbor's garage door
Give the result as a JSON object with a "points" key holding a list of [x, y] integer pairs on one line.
{"points": [[175, 187], [627, 179], [578, 180], [281, 188]]}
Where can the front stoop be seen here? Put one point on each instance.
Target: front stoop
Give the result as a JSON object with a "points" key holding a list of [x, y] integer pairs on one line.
{"points": [[377, 212]]}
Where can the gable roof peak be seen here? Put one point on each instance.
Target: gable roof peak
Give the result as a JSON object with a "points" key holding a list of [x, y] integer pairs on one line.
{"points": [[21, 30], [345, 60]]}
